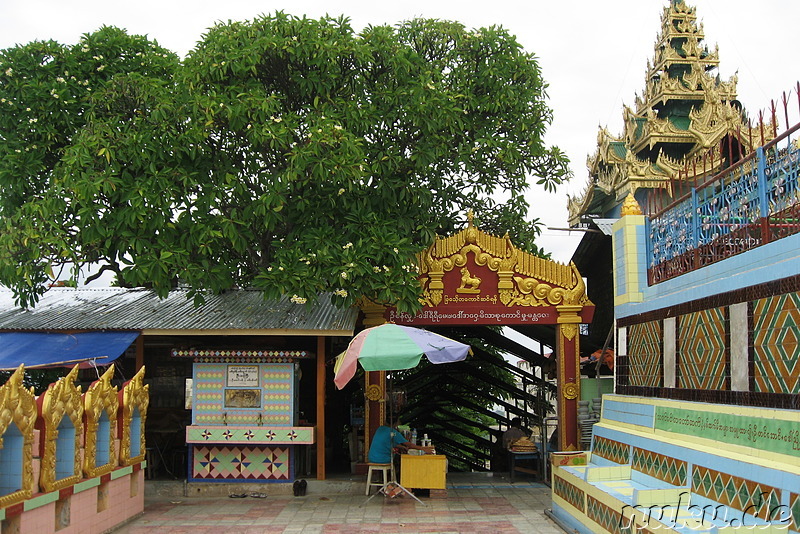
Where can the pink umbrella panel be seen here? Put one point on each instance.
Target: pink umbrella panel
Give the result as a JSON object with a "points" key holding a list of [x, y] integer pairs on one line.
{"points": [[391, 347]]}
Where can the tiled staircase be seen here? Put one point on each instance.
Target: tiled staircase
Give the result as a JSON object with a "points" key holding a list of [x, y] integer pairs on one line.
{"points": [[660, 465]]}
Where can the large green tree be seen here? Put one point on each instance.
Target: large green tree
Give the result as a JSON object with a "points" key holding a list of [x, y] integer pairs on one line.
{"points": [[288, 154]]}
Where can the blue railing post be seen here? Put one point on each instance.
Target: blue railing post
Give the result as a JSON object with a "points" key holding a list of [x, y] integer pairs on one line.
{"points": [[649, 242], [762, 182], [762, 194], [695, 244]]}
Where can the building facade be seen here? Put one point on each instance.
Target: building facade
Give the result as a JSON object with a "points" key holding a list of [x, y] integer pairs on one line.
{"points": [[702, 433]]}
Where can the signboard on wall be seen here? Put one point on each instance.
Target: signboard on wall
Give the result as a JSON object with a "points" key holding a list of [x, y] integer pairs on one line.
{"points": [[761, 430], [242, 376]]}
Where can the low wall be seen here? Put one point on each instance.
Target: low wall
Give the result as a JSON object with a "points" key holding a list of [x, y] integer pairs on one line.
{"points": [[71, 462]]}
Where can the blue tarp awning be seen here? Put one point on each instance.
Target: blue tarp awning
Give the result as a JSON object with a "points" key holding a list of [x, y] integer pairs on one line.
{"points": [[45, 349]]}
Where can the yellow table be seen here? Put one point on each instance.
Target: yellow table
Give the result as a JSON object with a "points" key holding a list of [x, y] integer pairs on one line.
{"points": [[427, 471]]}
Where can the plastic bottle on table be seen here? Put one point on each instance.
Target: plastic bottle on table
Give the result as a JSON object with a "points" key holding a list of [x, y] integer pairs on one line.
{"points": [[414, 436]]}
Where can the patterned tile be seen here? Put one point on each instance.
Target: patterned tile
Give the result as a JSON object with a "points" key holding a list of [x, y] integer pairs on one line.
{"points": [[794, 505], [659, 466], [236, 356], [608, 518], [776, 344], [569, 492], [736, 492], [241, 463], [609, 449], [276, 383], [702, 359], [644, 354]]}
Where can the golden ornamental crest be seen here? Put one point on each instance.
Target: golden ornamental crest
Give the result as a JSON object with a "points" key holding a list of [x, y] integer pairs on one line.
{"points": [[374, 392], [522, 279], [135, 400], [571, 390]]}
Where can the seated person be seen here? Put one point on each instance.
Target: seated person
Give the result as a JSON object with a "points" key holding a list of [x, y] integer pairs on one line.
{"points": [[513, 433], [385, 438]]}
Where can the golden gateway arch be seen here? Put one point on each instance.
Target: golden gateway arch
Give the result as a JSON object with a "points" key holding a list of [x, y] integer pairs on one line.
{"points": [[473, 278]]}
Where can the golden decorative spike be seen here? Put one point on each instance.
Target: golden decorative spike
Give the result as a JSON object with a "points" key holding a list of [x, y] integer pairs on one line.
{"points": [[61, 401], [135, 398], [101, 397], [18, 407]]}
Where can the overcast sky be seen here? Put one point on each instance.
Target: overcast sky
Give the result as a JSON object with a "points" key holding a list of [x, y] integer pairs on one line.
{"points": [[593, 54]]}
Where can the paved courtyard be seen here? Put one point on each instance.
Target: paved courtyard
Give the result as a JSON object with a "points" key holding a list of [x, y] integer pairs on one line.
{"points": [[476, 503]]}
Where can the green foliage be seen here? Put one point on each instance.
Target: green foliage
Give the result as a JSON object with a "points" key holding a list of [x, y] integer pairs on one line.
{"points": [[38, 379], [288, 154]]}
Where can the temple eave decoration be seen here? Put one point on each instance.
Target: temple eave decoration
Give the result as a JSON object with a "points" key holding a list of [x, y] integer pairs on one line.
{"points": [[691, 86], [577, 205]]}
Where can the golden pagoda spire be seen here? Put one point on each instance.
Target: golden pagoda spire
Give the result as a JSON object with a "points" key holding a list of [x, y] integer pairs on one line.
{"points": [[684, 111]]}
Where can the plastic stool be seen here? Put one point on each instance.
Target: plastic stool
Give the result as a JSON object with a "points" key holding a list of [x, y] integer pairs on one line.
{"points": [[387, 471]]}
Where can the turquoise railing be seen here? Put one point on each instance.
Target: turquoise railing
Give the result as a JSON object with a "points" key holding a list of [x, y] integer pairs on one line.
{"points": [[753, 202]]}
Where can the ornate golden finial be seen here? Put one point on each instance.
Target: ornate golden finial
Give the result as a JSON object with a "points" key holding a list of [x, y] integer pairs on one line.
{"points": [[374, 313], [471, 233], [630, 206]]}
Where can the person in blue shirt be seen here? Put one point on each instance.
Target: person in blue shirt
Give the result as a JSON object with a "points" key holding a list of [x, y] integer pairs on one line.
{"points": [[380, 450]]}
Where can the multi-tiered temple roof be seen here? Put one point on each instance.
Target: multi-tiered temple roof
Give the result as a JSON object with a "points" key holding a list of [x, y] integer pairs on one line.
{"points": [[684, 112]]}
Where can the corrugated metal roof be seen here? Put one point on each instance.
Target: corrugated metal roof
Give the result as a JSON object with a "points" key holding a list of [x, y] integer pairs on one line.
{"points": [[605, 225], [141, 309]]}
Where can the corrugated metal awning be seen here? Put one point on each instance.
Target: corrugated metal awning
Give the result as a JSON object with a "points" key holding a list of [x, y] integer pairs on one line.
{"points": [[605, 225], [233, 312]]}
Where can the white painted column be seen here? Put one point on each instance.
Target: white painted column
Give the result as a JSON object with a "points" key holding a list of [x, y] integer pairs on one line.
{"points": [[622, 341], [669, 358], [740, 368]]}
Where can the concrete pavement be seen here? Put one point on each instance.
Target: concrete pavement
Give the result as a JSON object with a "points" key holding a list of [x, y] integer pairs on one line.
{"points": [[475, 503]]}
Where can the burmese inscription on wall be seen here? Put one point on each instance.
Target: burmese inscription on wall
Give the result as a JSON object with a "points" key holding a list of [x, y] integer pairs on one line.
{"points": [[242, 376]]}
